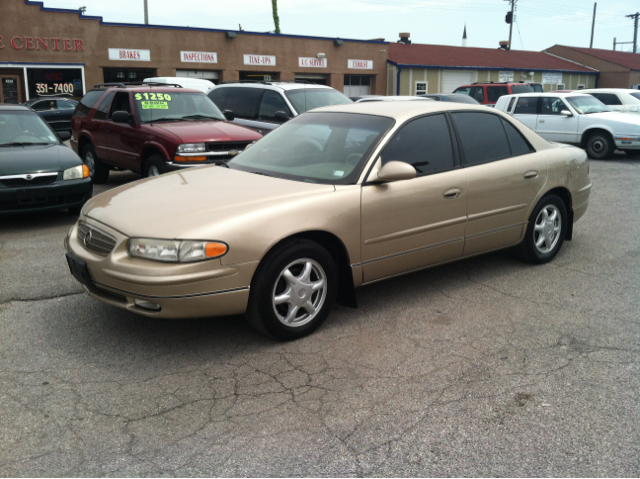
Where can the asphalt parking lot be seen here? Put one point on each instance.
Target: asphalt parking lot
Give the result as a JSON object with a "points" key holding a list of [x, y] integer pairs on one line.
{"points": [[484, 367]]}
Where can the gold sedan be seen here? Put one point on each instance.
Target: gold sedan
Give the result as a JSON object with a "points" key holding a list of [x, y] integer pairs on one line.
{"points": [[335, 199]]}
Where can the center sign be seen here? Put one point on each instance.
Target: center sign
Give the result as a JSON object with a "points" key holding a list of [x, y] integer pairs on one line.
{"points": [[312, 62]]}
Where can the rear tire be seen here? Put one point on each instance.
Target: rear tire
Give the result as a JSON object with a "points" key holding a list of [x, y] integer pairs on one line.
{"points": [[599, 145], [546, 231], [154, 166], [98, 170], [293, 290]]}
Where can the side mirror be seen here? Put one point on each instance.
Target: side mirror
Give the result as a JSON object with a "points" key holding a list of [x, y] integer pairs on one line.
{"points": [[566, 113], [281, 116], [63, 135], [229, 115], [121, 117], [393, 171]]}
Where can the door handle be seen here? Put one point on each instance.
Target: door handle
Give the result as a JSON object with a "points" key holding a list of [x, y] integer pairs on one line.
{"points": [[452, 193], [530, 175], [540, 121]]}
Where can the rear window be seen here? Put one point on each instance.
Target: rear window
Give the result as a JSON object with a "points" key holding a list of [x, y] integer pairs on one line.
{"points": [[482, 136], [495, 92], [243, 102], [87, 103], [521, 89], [635, 95], [305, 99]]}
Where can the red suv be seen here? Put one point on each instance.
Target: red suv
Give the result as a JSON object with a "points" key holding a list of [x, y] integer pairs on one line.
{"points": [[488, 93], [152, 129]]}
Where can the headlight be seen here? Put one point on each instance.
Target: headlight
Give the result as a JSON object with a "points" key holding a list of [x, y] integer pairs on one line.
{"points": [[174, 251], [76, 173], [191, 148]]}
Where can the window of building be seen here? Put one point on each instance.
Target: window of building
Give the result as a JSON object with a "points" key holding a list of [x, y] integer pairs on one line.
{"points": [[560, 86], [357, 85], [424, 143], [482, 137], [421, 88], [581, 86]]}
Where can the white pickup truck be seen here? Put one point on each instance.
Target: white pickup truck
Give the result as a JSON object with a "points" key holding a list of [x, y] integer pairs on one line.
{"points": [[575, 118]]}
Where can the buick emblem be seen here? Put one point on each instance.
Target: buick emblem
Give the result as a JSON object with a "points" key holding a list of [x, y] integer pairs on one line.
{"points": [[87, 238], [234, 152]]}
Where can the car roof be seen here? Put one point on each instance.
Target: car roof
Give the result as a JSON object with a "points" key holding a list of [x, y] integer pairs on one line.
{"points": [[9, 107], [282, 85], [145, 89], [402, 110], [551, 93], [610, 90], [391, 98]]}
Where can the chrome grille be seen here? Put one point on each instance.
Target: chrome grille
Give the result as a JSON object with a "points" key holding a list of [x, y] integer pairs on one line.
{"points": [[95, 240]]}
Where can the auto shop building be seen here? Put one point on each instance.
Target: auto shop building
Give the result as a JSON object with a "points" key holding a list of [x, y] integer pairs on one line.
{"points": [[57, 52]]}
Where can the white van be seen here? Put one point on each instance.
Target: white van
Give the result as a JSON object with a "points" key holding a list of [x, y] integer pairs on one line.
{"points": [[205, 86]]}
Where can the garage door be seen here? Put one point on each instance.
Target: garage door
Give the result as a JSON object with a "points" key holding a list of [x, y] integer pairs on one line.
{"points": [[206, 74], [452, 79]]}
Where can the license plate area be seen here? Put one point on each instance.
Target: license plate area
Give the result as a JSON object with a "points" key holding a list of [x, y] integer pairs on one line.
{"points": [[79, 269]]}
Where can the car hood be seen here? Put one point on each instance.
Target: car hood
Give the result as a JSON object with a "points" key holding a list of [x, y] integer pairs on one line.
{"points": [[626, 122], [19, 160], [185, 204], [206, 131]]}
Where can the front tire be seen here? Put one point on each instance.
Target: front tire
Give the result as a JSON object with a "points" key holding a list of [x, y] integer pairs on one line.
{"points": [[98, 170], [154, 166], [293, 290], [546, 231], [599, 145]]}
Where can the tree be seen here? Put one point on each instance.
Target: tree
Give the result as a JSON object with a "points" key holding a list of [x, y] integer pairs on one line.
{"points": [[276, 19]]}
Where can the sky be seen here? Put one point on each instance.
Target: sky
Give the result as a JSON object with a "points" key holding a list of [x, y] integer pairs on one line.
{"points": [[539, 23]]}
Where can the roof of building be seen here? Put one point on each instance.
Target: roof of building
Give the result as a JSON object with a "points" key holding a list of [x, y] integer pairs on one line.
{"points": [[487, 58], [625, 59]]}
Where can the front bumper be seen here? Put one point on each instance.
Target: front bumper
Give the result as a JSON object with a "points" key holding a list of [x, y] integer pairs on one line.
{"points": [[58, 195], [189, 290]]}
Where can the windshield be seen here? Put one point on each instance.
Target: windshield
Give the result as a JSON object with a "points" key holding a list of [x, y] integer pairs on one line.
{"points": [[24, 128], [328, 148], [306, 99], [587, 104], [155, 106], [635, 95]]}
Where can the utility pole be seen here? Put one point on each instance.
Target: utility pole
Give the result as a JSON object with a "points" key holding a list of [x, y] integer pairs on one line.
{"points": [[146, 13], [593, 24], [510, 18], [635, 30]]}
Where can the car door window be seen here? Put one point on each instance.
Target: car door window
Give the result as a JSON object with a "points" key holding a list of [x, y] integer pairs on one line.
{"points": [[552, 106], [511, 102], [424, 143], [519, 144], [219, 96], [463, 91], [103, 109], [482, 137], [477, 92], [526, 106], [120, 103], [40, 106], [244, 102], [65, 105], [608, 98], [272, 102], [495, 92]]}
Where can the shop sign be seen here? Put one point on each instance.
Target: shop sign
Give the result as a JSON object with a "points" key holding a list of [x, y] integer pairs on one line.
{"points": [[360, 64], [312, 62], [505, 77], [199, 57], [260, 60], [37, 43], [126, 54], [551, 78]]}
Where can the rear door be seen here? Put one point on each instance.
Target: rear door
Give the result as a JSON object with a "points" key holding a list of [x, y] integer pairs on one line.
{"points": [[504, 176], [410, 224], [65, 111], [526, 111]]}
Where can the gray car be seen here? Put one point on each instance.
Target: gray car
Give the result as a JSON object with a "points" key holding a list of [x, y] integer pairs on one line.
{"points": [[264, 106]]}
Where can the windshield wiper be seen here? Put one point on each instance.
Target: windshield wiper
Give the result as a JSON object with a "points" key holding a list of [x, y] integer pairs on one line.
{"points": [[200, 117], [23, 143], [221, 163], [259, 173]]}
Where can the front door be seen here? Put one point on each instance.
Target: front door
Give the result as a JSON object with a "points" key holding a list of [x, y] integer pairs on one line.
{"points": [[10, 89], [553, 125], [411, 224], [122, 140]]}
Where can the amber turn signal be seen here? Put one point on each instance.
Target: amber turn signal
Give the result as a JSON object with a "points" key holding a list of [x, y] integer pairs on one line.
{"points": [[211, 250], [85, 171], [182, 159]]}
